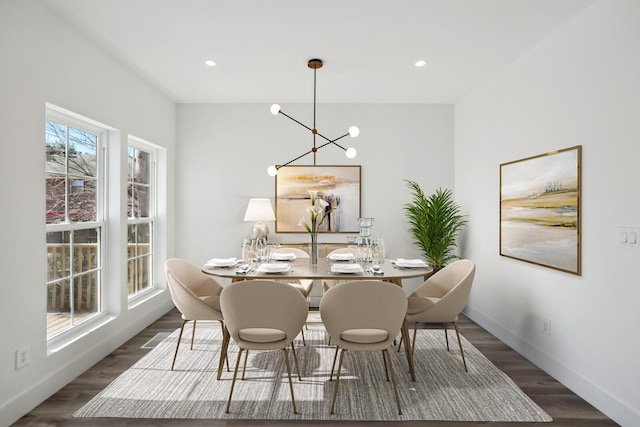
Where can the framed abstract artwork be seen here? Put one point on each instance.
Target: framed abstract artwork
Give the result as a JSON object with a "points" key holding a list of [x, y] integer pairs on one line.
{"points": [[540, 209], [339, 186]]}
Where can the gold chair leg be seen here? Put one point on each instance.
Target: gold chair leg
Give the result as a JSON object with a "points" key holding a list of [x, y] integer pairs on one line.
{"points": [[193, 334], [393, 380], [295, 360], [386, 370], [286, 362], [335, 389], [244, 368], [446, 335], [224, 353], [464, 362], [178, 344], [335, 356], [415, 329], [233, 382], [302, 332], [224, 330]]}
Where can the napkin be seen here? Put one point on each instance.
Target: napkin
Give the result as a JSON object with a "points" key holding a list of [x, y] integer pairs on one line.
{"points": [[346, 268], [273, 268], [221, 262], [411, 262], [341, 256], [283, 256]]}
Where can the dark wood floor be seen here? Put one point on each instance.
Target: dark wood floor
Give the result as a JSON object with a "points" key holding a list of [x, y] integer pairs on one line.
{"points": [[566, 408]]}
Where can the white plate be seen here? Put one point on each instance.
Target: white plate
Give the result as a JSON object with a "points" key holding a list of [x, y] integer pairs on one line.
{"points": [[411, 263], [221, 262], [345, 256], [273, 268], [347, 268], [283, 256]]}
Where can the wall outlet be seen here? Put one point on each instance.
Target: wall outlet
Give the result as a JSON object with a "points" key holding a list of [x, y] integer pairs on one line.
{"points": [[23, 357], [546, 327]]}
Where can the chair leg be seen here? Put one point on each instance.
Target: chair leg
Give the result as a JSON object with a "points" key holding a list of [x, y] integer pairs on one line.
{"points": [[244, 368], [193, 334], [386, 370], [446, 335], [393, 380], [464, 362], [415, 329], [335, 389], [178, 344], [295, 360], [224, 354], [286, 362], [335, 356], [233, 382], [302, 332], [224, 330]]}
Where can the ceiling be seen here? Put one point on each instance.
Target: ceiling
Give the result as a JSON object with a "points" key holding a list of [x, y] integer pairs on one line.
{"points": [[368, 47]]}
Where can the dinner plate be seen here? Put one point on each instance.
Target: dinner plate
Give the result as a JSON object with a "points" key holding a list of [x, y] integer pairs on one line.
{"points": [[346, 256], [283, 256], [273, 268], [347, 268], [411, 263], [221, 262]]}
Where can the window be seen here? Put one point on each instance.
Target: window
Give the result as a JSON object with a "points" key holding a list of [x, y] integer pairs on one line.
{"points": [[141, 212], [74, 221]]}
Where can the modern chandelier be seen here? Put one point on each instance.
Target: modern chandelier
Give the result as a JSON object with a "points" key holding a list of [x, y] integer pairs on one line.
{"points": [[353, 131]]}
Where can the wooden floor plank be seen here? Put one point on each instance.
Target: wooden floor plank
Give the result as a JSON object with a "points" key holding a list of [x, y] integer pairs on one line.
{"points": [[566, 408]]}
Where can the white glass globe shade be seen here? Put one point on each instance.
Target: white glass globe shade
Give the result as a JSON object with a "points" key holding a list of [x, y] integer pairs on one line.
{"points": [[354, 131], [351, 152], [275, 109], [272, 170]]}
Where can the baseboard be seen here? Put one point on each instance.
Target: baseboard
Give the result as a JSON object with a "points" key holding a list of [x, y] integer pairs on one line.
{"points": [[32, 396], [605, 402]]}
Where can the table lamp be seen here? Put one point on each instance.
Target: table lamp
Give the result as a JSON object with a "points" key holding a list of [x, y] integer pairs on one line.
{"points": [[259, 210]]}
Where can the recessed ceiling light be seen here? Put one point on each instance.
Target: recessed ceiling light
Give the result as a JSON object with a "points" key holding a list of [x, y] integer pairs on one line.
{"points": [[421, 63], [210, 62]]}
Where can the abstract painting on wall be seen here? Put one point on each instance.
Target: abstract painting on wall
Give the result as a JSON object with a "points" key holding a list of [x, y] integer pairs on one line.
{"points": [[540, 209], [338, 186]]}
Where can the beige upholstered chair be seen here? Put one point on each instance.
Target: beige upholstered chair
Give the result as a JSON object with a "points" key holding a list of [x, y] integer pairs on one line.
{"points": [[197, 297], [263, 315], [328, 284], [364, 316], [441, 299]]}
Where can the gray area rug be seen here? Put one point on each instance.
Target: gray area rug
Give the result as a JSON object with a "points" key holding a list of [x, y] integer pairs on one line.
{"points": [[442, 391]]}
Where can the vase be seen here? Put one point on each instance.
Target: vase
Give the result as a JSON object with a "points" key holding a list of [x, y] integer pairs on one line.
{"points": [[313, 250]]}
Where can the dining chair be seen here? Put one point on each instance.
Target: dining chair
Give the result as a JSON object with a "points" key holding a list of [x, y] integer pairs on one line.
{"points": [[329, 283], [197, 297], [441, 298], [360, 316], [263, 315]]}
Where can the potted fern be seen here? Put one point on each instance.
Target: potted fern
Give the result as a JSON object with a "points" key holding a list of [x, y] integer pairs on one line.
{"points": [[435, 222]]}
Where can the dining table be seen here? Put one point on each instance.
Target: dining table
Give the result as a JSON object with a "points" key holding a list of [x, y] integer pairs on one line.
{"points": [[325, 269]]}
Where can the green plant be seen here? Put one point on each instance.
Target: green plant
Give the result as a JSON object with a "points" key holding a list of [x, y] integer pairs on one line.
{"points": [[435, 222]]}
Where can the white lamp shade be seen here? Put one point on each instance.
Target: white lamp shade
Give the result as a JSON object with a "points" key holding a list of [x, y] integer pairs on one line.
{"points": [[354, 131], [351, 153], [259, 210]]}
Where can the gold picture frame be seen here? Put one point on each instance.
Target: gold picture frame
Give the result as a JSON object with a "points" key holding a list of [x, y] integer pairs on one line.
{"points": [[540, 203], [339, 186]]}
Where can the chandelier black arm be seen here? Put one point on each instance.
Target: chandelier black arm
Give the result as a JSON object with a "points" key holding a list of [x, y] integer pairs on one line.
{"points": [[291, 118], [332, 141], [297, 158]]}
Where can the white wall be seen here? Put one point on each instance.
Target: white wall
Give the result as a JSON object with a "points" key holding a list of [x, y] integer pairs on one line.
{"points": [[581, 86], [225, 151], [42, 59]]}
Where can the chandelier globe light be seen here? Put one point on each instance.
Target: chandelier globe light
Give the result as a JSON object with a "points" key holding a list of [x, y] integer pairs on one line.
{"points": [[352, 132]]}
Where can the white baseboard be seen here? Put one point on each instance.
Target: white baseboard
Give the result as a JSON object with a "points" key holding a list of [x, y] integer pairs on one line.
{"points": [[605, 402]]}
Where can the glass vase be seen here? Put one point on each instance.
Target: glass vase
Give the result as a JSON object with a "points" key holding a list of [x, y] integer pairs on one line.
{"points": [[313, 249]]}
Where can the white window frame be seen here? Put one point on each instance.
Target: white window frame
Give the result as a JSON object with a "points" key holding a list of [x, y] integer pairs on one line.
{"points": [[76, 121], [152, 149]]}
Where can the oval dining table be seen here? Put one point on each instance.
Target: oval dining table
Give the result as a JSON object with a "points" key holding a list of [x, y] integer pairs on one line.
{"points": [[301, 268]]}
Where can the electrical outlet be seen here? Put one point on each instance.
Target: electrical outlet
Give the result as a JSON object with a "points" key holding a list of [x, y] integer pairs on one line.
{"points": [[546, 327], [23, 357]]}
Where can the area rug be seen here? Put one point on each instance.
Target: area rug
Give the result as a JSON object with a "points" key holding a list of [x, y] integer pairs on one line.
{"points": [[442, 391]]}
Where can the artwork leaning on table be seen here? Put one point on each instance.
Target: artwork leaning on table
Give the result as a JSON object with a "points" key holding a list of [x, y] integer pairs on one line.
{"points": [[540, 209]]}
